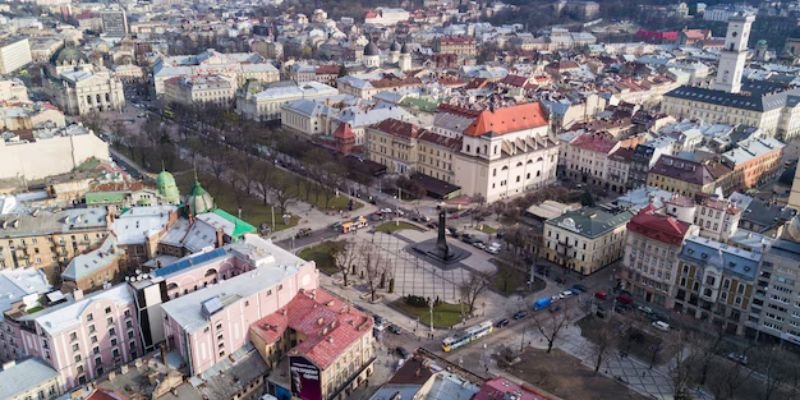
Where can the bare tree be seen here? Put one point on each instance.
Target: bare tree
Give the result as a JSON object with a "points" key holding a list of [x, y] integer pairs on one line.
{"points": [[345, 257], [724, 382], [473, 288], [265, 174], [282, 191], [374, 264], [219, 163], [681, 367], [246, 168], [550, 325], [603, 340]]}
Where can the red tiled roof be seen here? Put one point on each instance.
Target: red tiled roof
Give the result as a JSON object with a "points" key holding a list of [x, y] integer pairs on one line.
{"points": [[594, 143], [398, 128], [685, 170], [663, 228], [393, 82], [106, 394], [515, 80], [343, 132], [328, 324], [453, 109], [623, 153], [500, 388], [441, 140], [330, 69], [507, 119]]}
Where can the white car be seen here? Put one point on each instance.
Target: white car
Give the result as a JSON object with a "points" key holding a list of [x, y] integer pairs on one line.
{"points": [[386, 210], [566, 293], [661, 325]]}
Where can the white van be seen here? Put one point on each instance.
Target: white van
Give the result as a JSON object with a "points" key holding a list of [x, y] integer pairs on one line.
{"points": [[661, 325]]}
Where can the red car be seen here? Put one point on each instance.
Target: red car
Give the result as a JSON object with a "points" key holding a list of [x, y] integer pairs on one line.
{"points": [[624, 299], [601, 295]]}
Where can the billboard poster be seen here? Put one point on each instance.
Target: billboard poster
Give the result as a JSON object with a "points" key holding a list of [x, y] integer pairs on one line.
{"points": [[306, 380]]}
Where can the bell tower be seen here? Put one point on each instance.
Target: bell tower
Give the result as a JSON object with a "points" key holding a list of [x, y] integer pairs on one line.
{"points": [[734, 55]]}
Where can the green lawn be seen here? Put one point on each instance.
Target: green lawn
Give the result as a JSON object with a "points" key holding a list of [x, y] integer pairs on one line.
{"points": [[253, 210], [322, 255], [308, 192], [392, 226], [487, 229], [508, 279], [445, 315]]}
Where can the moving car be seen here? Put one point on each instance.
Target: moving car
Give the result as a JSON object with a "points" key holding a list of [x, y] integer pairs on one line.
{"points": [[738, 357], [304, 232], [601, 295], [493, 248], [520, 315], [402, 352], [394, 329], [503, 322]]}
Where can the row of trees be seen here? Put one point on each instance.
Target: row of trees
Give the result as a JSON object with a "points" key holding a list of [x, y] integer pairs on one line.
{"points": [[365, 261]]}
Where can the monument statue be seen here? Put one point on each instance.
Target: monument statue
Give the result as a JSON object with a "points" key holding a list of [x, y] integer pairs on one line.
{"points": [[437, 251], [441, 242]]}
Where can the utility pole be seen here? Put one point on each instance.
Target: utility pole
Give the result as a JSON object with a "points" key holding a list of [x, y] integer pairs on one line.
{"points": [[273, 218]]}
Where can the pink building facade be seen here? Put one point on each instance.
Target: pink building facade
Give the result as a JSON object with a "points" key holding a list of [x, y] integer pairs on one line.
{"points": [[205, 326], [85, 338]]}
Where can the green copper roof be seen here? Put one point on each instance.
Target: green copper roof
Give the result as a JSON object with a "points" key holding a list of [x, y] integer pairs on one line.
{"points": [[241, 227], [105, 197], [167, 188]]}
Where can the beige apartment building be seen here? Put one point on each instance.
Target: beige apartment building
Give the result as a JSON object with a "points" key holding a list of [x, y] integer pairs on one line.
{"points": [[15, 53], [49, 240], [200, 90], [587, 239]]}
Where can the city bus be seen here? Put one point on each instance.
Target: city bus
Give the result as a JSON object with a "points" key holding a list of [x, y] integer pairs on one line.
{"points": [[466, 336]]}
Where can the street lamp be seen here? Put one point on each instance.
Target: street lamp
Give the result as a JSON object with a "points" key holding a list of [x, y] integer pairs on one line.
{"points": [[431, 307]]}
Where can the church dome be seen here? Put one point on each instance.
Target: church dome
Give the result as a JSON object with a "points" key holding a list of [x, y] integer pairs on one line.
{"points": [[406, 49], [69, 56], [395, 46], [371, 50], [167, 188], [200, 201]]}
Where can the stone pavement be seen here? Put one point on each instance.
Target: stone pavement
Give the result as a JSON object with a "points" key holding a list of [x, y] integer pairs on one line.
{"points": [[636, 374]]}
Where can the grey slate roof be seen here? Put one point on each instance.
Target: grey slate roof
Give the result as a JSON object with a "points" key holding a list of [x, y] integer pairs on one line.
{"points": [[23, 376], [591, 222], [755, 96]]}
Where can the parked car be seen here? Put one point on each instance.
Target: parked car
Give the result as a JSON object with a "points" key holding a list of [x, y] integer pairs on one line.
{"points": [[565, 294], [394, 329], [601, 295], [661, 325], [738, 357], [402, 352], [467, 238], [579, 288], [520, 315], [624, 299], [479, 244], [645, 309], [503, 322]]}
